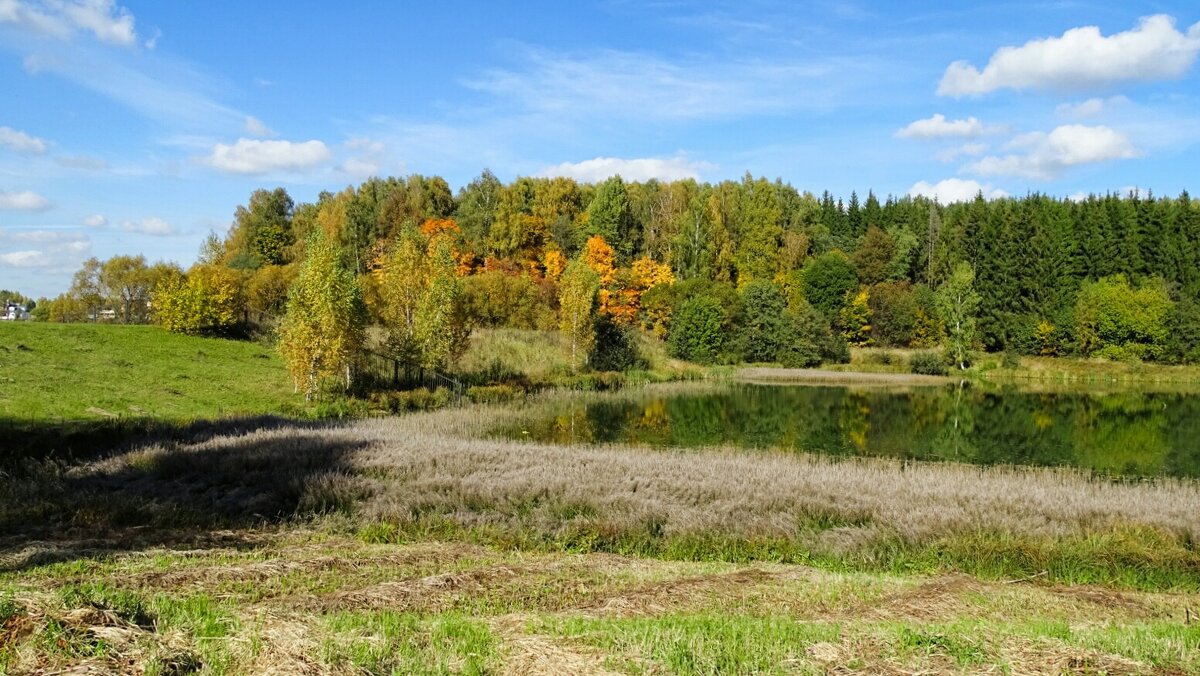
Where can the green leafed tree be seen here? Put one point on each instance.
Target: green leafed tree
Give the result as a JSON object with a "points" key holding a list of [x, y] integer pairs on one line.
{"points": [[827, 280], [609, 216], [958, 305], [577, 292], [321, 335]]}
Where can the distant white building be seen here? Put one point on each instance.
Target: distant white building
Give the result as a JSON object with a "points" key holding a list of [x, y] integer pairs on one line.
{"points": [[14, 312]]}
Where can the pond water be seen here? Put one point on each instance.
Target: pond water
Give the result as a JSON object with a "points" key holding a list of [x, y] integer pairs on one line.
{"points": [[1134, 434]]}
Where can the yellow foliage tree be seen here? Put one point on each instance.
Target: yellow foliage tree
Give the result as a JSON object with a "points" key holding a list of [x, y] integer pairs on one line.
{"points": [[321, 335], [599, 257], [554, 262], [855, 319], [206, 301]]}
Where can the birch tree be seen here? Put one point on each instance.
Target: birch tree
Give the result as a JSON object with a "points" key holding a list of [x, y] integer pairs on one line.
{"points": [[958, 304], [577, 306], [321, 335]]}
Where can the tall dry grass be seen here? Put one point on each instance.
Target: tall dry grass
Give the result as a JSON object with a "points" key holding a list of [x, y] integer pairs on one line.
{"points": [[432, 462], [434, 472]]}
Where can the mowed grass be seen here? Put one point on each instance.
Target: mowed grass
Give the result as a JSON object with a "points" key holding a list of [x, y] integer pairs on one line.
{"points": [[92, 372], [300, 601]]}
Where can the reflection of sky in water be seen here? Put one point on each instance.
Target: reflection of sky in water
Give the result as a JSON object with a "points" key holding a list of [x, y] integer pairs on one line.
{"points": [[1135, 434]]}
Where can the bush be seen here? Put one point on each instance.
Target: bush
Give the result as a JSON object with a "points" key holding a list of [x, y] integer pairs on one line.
{"points": [[893, 314], [927, 364], [1183, 337], [813, 333], [697, 331], [1117, 321], [614, 348], [765, 327]]}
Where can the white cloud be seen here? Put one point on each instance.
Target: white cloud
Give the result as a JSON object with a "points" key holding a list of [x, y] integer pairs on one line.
{"points": [[640, 169], [939, 127], [153, 225], [61, 19], [1091, 107], [55, 241], [612, 84], [360, 167], [249, 156], [19, 141], [23, 201], [966, 149], [955, 190], [96, 221], [1046, 156], [256, 127], [85, 162], [25, 259], [1081, 58]]}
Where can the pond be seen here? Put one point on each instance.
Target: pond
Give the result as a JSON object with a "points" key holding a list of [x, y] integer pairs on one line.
{"points": [[1118, 434]]}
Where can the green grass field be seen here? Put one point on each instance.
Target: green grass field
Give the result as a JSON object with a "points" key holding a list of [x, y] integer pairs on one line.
{"points": [[416, 544], [88, 372]]}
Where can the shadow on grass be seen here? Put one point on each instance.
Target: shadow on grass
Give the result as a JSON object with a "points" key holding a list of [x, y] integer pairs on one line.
{"points": [[200, 484]]}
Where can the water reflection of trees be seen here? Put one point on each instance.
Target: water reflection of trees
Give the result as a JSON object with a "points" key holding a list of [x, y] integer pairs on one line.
{"points": [[1112, 433]]}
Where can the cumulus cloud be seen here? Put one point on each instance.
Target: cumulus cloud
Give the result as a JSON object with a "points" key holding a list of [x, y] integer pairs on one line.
{"points": [[639, 169], [1081, 58], [250, 156], [1045, 156], [938, 127], [19, 141], [1091, 107], [153, 226], [61, 19], [25, 259], [24, 200], [256, 127], [955, 190], [96, 221]]}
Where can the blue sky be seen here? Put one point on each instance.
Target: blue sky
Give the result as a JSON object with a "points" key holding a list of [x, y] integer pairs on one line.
{"points": [[138, 127]]}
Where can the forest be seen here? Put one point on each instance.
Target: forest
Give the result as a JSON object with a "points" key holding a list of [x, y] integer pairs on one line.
{"points": [[736, 271]]}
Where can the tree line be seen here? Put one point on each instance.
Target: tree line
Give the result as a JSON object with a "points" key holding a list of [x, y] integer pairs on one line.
{"points": [[737, 270]]}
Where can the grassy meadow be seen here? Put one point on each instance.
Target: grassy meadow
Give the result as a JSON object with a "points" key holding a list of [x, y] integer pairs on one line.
{"points": [[81, 372], [418, 543]]}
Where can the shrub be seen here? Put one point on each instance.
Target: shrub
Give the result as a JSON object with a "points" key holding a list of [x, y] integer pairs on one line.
{"points": [[697, 332], [614, 348], [1115, 320], [927, 364], [205, 302], [893, 313], [1183, 337], [765, 328]]}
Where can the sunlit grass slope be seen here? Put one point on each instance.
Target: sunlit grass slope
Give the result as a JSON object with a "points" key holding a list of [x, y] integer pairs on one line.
{"points": [[71, 372]]}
